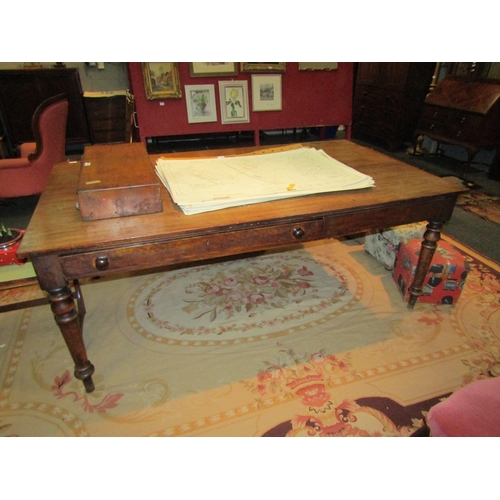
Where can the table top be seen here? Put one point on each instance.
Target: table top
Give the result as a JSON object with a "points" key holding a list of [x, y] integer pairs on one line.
{"points": [[56, 226]]}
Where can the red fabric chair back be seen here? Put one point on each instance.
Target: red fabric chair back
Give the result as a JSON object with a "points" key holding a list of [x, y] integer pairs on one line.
{"points": [[28, 176]]}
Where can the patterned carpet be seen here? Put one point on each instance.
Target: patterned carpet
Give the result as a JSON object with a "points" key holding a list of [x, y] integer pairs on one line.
{"points": [[482, 204], [312, 341]]}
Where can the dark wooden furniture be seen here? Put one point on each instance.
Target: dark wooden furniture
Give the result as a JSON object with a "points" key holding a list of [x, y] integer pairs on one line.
{"points": [[464, 113], [78, 249], [494, 172], [21, 91], [388, 99], [110, 116]]}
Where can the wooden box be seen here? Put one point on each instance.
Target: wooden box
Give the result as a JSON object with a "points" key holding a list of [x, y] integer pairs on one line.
{"points": [[117, 181]]}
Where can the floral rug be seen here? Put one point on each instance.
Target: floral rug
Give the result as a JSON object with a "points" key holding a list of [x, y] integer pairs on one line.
{"points": [[482, 204], [312, 341]]}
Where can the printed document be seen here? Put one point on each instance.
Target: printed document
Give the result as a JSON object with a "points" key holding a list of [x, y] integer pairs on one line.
{"points": [[201, 185]]}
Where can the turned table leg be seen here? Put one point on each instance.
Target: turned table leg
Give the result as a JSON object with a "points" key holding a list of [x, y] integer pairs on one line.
{"points": [[429, 245], [70, 322], [68, 316]]}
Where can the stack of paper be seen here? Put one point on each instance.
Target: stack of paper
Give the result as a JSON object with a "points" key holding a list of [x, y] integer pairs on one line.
{"points": [[202, 185]]}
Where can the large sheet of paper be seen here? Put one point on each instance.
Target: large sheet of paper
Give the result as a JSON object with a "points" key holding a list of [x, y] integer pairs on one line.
{"points": [[200, 185]]}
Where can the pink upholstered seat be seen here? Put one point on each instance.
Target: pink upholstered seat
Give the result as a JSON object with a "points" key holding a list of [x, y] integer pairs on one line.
{"points": [[28, 175], [472, 411]]}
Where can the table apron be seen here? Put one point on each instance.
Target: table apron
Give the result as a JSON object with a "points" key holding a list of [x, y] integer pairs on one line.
{"points": [[192, 249], [384, 217], [197, 248]]}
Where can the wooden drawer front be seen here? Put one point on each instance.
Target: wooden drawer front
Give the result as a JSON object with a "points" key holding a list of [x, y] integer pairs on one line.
{"points": [[466, 127], [109, 136], [452, 124], [435, 114], [190, 249], [115, 107]]}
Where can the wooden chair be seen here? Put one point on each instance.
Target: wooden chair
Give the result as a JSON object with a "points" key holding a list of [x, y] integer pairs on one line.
{"points": [[28, 174]]}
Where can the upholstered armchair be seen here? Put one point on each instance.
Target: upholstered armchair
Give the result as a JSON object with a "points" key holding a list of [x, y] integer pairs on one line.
{"points": [[28, 174]]}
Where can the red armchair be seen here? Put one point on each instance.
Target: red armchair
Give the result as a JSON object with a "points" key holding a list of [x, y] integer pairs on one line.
{"points": [[28, 174]]}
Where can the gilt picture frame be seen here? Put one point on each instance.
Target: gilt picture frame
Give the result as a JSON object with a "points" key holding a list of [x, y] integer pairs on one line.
{"points": [[161, 80], [318, 66], [262, 67], [201, 104], [266, 93], [199, 69], [234, 101]]}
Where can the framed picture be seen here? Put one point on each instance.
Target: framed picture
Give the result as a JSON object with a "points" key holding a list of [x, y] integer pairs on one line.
{"points": [[318, 66], [161, 80], [200, 102], [212, 69], [234, 102], [262, 67], [266, 92]]}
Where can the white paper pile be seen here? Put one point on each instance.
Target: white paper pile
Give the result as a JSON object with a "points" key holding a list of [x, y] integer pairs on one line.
{"points": [[202, 185]]}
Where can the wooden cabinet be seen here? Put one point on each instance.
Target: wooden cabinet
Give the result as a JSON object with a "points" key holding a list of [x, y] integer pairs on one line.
{"points": [[388, 99], [21, 91], [110, 116], [462, 112]]}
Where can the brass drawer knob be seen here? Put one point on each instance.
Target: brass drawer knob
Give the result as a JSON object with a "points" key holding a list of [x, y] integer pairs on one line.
{"points": [[298, 233], [102, 263]]}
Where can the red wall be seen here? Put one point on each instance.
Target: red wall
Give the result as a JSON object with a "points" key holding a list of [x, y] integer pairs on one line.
{"points": [[309, 99]]}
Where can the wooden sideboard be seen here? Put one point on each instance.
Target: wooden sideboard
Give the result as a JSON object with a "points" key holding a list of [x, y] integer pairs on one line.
{"points": [[21, 91], [464, 113], [388, 99]]}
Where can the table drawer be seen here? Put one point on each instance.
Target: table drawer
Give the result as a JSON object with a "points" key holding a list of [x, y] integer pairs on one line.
{"points": [[189, 249]]}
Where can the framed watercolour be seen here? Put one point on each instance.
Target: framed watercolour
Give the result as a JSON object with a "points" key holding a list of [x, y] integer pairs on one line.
{"points": [[318, 66], [212, 69], [266, 92], [234, 102], [161, 80], [200, 102], [262, 67]]}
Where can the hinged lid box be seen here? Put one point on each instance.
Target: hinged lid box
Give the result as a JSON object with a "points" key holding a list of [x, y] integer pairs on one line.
{"points": [[117, 180]]}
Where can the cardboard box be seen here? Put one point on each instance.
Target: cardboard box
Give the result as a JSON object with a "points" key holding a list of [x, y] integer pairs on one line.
{"points": [[445, 279], [117, 180]]}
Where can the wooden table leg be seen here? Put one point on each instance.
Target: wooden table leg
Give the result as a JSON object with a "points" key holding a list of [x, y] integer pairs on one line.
{"points": [[429, 245], [68, 316], [70, 322]]}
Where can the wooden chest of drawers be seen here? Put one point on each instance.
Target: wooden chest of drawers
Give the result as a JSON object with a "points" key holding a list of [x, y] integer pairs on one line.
{"points": [[109, 115], [463, 113], [388, 99]]}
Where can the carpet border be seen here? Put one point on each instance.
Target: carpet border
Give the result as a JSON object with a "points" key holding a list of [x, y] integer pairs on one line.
{"points": [[485, 260]]}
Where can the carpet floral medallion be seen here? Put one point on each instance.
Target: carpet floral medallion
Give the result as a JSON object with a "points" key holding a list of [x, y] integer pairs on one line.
{"points": [[309, 341], [241, 301]]}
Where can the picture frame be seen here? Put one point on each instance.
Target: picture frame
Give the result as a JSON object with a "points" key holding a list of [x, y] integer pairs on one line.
{"points": [[266, 93], [161, 80], [200, 103], [262, 67], [197, 69], [234, 101], [318, 66]]}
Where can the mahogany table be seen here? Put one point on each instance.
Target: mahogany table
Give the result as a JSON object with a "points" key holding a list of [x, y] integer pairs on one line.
{"points": [[64, 248]]}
